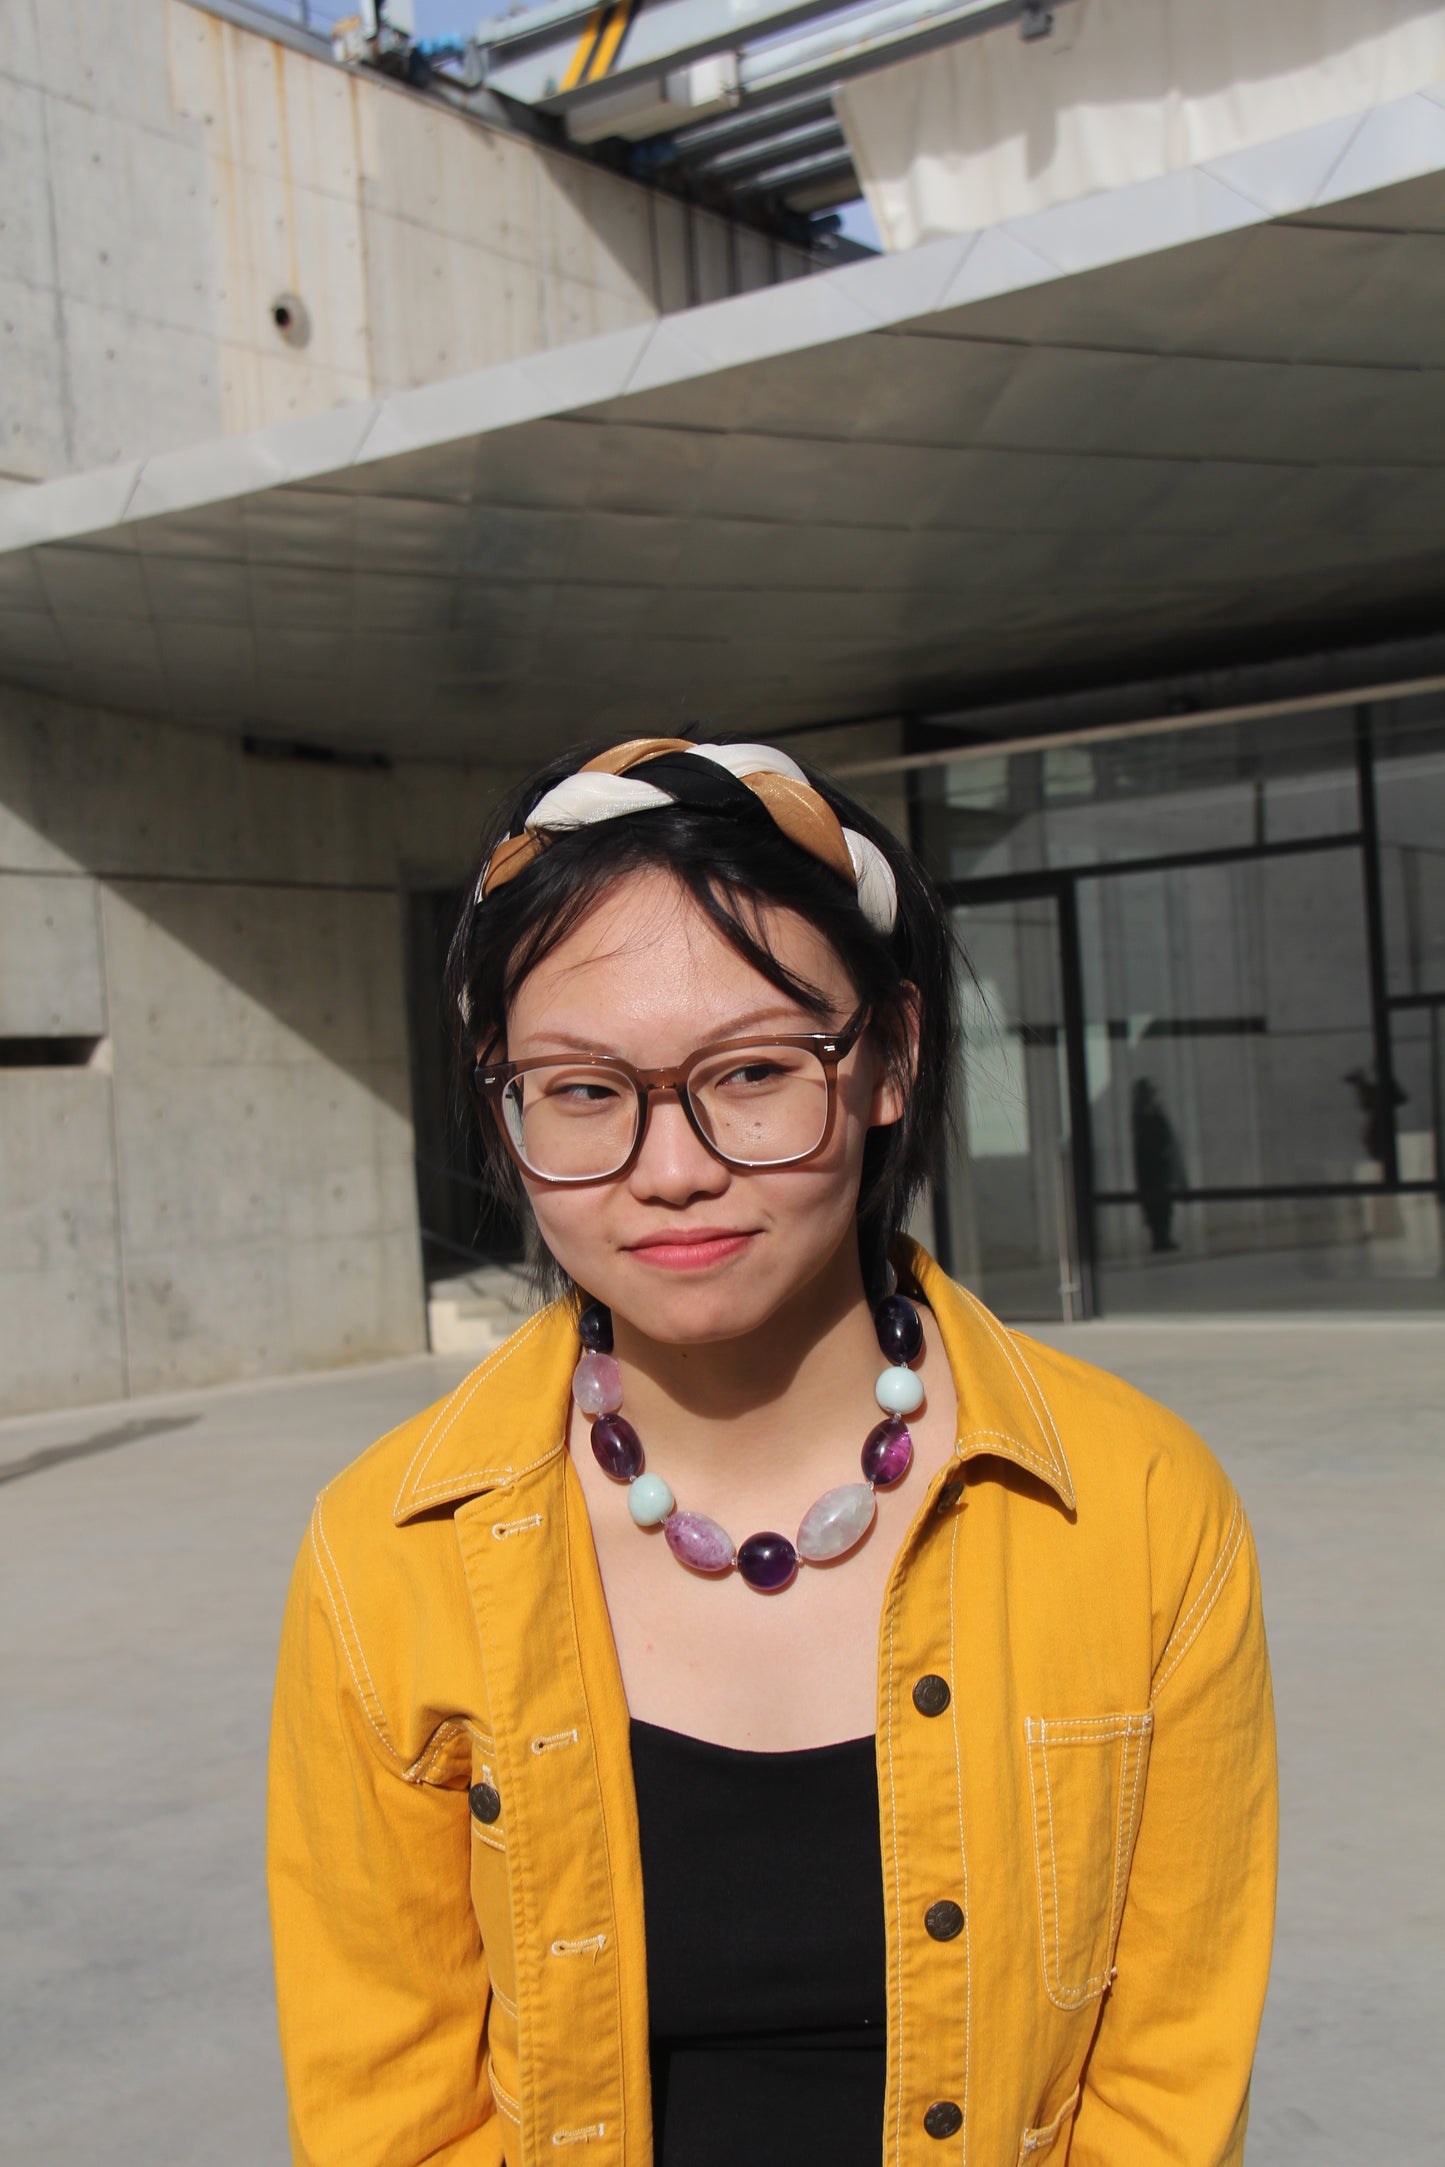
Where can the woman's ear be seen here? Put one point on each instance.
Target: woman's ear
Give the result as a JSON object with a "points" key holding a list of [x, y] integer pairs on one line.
{"points": [[898, 1031]]}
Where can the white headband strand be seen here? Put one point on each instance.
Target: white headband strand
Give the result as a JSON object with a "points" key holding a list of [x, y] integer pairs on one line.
{"points": [[589, 796]]}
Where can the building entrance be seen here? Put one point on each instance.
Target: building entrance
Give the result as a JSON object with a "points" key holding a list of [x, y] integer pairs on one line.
{"points": [[1204, 1017]]}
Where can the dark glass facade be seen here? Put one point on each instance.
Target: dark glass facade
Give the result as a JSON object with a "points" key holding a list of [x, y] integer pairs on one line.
{"points": [[1206, 1021]]}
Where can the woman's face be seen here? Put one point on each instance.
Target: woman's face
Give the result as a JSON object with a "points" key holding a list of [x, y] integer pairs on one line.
{"points": [[683, 1247]]}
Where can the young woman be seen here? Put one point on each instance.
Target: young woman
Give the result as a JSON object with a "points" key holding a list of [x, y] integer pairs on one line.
{"points": [[769, 1713]]}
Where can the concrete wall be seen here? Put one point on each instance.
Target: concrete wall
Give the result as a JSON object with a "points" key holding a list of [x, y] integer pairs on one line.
{"points": [[225, 1187], [164, 176]]}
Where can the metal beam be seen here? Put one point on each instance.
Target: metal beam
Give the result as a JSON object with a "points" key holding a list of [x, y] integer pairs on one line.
{"points": [[787, 142]]}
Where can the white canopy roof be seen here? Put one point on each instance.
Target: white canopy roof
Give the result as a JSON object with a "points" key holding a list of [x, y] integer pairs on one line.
{"points": [[1189, 420]]}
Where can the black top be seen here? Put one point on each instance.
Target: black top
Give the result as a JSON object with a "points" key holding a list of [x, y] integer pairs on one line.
{"points": [[766, 1964]]}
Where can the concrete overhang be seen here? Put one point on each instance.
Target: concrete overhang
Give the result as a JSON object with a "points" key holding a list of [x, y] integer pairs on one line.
{"points": [[1190, 422]]}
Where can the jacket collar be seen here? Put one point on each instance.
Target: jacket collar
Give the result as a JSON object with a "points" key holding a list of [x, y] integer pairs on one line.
{"points": [[509, 1416], [1002, 1409]]}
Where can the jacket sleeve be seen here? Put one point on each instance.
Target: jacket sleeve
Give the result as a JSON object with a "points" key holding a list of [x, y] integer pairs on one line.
{"points": [[381, 1978], [1168, 2077]]}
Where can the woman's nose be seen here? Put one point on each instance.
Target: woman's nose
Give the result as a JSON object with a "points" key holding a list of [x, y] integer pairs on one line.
{"points": [[673, 1164]]}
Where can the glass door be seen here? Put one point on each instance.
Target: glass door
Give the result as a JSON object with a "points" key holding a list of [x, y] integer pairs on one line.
{"points": [[1007, 1199]]}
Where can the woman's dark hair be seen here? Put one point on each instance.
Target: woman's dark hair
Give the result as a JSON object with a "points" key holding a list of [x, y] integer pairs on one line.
{"points": [[729, 862]]}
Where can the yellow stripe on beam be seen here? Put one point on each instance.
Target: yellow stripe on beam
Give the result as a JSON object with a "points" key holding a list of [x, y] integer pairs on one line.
{"points": [[611, 38], [586, 44]]}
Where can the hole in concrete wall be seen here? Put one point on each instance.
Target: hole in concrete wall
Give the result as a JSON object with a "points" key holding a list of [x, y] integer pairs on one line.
{"points": [[51, 1052], [292, 318]]}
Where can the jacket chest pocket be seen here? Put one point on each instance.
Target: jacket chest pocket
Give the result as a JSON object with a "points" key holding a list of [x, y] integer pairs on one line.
{"points": [[1086, 1774]]}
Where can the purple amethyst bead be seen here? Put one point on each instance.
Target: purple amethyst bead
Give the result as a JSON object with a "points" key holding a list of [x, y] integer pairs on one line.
{"points": [[699, 1542], [616, 1447], [887, 1453], [594, 1328], [899, 1328], [767, 1562]]}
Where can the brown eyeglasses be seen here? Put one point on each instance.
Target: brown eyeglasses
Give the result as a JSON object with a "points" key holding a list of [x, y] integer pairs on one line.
{"points": [[751, 1102]]}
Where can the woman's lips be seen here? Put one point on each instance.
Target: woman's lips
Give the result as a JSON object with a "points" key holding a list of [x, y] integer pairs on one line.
{"points": [[690, 1253]]}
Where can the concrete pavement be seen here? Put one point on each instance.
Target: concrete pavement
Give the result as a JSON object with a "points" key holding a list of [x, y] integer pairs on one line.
{"points": [[144, 1551]]}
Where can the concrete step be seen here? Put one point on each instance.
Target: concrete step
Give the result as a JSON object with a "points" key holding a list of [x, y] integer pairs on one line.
{"points": [[473, 1312]]}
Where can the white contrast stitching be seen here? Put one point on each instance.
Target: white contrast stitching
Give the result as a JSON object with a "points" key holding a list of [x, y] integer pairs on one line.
{"points": [[484, 1835], [1219, 1574], [1034, 2140], [1133, 1730], [502, 2002], [555, 1739], [1016, 1446], [1047, 1417], [501, 1529], [504, 2099], [435, 1745], [448, 1412], [346, 1645], [590, 1945]]}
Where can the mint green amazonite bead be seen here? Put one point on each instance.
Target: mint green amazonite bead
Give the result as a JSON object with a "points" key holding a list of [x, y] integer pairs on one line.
{"points": [[649, 1500], [899, 1391]]}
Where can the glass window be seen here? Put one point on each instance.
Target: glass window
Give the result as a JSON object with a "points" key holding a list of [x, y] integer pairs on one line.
{"points": [[1228, 1015], [1410, 808], [1153, 795]]}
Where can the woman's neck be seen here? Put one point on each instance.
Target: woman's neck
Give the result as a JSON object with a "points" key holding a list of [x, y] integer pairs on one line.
{"points": [[784, 1392]]}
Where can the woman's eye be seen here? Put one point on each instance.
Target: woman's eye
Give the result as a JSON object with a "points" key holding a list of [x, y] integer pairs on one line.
{"points": [[582, 1093], [752, 1073]]}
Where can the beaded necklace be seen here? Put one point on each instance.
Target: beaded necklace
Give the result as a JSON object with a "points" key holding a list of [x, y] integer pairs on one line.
{"points": [[832, 1526]]}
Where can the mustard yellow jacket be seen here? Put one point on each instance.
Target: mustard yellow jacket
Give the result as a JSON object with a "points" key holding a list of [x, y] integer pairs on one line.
{"points": [[1098, 1795]]}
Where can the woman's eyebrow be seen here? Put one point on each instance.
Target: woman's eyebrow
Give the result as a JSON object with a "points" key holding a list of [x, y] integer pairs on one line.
{"points": [[546, 1038]]}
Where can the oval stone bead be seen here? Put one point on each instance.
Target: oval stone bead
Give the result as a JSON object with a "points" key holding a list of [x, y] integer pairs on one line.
{"points": [[899, 1391], [767, 1562], [899, 1328], [649, 1500], [836, 1522], [597, 1385], [887, 1452], [616, 1447], [699, 1542], [594, 1328]]}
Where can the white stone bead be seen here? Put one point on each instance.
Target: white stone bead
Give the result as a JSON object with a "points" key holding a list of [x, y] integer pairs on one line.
{"points": [[836, 1522], [899, 1391], [649, 1500]]}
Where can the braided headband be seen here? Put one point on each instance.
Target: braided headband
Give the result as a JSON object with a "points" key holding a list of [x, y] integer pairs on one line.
{"points": [[675, 771]]}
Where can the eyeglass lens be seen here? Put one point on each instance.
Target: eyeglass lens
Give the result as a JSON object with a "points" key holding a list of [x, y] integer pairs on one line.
{"points": [[758, 1105]]}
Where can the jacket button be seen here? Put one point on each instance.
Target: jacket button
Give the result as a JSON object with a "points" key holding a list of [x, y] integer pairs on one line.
{"points": [[486, 1804], [943, 2119], [931, 1695], [943, 1920]]}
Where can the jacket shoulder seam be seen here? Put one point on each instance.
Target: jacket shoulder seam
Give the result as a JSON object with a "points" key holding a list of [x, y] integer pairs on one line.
{"points": [[1189, 1627], [366, 1693]]}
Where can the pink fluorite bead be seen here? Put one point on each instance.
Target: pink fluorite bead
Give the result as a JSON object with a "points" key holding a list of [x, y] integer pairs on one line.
{"points": [[699, 1542], [836, 1522], [597, 1385]]}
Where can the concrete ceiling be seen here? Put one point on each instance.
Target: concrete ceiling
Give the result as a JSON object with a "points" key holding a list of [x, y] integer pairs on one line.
{"points": [[1161, 428]]}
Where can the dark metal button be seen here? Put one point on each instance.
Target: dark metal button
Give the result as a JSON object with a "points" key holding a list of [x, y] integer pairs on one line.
{"points": [[943, 1919], [931, 1695], [486, 1803], [949, 1495], [943, 2119]]}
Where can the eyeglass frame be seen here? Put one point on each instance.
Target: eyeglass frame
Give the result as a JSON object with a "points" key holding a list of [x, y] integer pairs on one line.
{"points": [[830, 1048]]}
